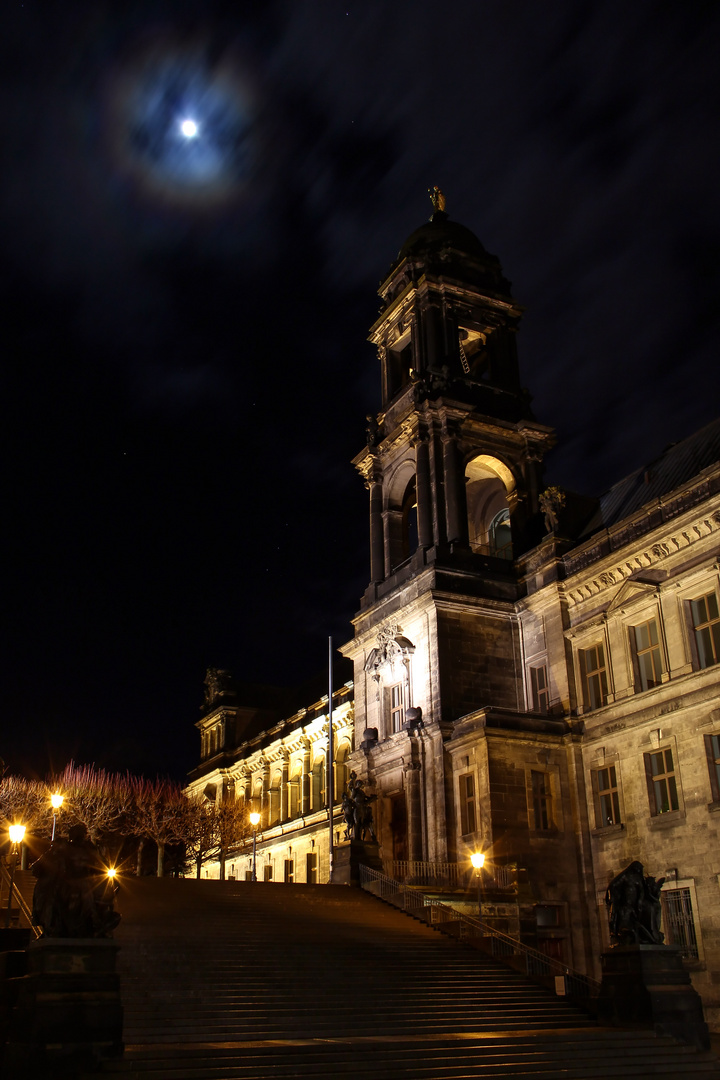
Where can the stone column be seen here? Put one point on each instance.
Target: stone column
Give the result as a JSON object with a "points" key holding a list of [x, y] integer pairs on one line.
{"points": [[424, 492], [414, 815], [455, 499], [377, 559], [265, 811]]}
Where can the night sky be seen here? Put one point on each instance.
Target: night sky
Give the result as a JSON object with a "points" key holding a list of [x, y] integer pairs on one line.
{"points": [[185, 375]]}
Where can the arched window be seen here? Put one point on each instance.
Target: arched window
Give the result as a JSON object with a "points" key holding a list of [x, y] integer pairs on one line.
{"points": [[489, 483], [318, 783], [294, 787], [274, 800], [500, 535], [409, 520], [341, 770]]}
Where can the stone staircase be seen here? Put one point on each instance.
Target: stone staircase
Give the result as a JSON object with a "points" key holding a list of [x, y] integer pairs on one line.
{"points": [[244, 980]]}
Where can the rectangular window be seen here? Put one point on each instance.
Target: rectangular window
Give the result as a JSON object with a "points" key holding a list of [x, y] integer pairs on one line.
{"points": [[267, 872], [541, 800], [397, 707], [706, 623], [289, 871], [712, 749], [540, 690], [608, 799], [311, 868], [594, 676], [468, 816], [662, 785], [649, 656], [678, 922], [248, 875]]}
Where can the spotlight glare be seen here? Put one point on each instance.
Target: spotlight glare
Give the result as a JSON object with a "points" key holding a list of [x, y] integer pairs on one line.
{"points": [[189, 129]]}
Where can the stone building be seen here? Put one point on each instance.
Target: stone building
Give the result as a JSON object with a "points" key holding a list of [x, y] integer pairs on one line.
{"points": [[535, 673]]}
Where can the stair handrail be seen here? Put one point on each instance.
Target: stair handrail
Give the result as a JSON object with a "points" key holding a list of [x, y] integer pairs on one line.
{"points": [[22, 905], [502, 946]]}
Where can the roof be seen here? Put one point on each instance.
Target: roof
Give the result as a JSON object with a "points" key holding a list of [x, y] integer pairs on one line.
{"points": [[678, 463]]}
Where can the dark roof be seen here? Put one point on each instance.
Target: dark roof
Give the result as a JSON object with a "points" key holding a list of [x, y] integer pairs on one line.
{"points": [[678, 463], [440, 232]]}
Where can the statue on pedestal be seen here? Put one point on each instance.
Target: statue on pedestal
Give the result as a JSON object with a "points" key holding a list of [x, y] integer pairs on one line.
{"points": [[634, 901], [357, 809], [73, 897]]}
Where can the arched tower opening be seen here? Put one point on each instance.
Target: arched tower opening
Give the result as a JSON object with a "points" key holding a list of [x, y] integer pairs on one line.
{"points": [[490, 486]]}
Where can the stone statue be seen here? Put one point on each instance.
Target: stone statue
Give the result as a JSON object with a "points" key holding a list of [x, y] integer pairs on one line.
{"points": [[437, 199], [348, 812], [373, 431], [634, 902], [552, 501], [362, 818], [73, 896], [218, 683]]}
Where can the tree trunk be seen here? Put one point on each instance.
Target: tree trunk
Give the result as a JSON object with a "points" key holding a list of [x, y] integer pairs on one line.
{"points": [[160, 859], [222, 865], [141, 845], [198, 866]]}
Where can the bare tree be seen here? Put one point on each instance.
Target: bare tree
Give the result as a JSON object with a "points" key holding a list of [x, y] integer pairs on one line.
{"points": [[160, 813]]}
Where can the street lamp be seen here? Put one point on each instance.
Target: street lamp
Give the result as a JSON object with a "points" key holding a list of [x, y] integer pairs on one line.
{"points": [[254, 821], [478, 861], [56, 801], [17, 832]]}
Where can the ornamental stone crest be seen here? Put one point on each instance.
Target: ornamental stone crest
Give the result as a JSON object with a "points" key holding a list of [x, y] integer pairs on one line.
{"points": [[391, 656]]}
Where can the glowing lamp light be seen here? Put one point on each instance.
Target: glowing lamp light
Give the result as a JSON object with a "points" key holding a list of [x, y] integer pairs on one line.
{"points": [[111, 872], [254, 820], [189, 129], [478, 860], [17, 832], [57, 800]]}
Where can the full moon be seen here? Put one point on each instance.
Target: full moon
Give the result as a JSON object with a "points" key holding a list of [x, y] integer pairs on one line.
{"points": [[189, 129]]}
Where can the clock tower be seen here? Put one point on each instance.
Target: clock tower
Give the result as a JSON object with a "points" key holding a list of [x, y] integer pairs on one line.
{"points": [[452, 467]]}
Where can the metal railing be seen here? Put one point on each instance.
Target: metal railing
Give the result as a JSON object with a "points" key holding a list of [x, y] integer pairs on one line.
{"points": [[508, 950], [447, 874], [18, 900]]}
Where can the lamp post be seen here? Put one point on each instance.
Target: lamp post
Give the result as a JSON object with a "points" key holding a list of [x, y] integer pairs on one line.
{"points": [[254, 821], [478, 861], [17, 832], [56, 801]]}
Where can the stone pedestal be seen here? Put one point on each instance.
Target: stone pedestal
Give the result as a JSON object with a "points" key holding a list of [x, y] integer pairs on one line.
{"points": [[647, 985], [67, 1011], [349, 857]]}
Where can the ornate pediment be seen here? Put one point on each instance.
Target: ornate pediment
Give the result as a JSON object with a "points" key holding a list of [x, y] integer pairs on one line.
{"points": [[631, 592], [390, 654]]}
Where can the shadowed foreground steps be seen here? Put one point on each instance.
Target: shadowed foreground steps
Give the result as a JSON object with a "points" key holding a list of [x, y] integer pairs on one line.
{"points": [[242, 980]]}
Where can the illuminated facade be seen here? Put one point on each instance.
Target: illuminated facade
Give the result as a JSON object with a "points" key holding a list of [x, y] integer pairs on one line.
{"points": [[536, 674]]}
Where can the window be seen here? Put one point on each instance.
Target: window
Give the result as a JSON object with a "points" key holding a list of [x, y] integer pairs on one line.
{"points": [[311, 868], [678, 922], [468, 815], [594, 676], [541, 798], [607, 797], [289, 874], [267, 872], [648, 654], [397, 707], [540, 690], [706, 623], [712, 749], [500, 535], [662, 785], [248, 875]]}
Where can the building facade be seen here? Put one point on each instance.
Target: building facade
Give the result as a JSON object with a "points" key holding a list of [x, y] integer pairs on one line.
{"points": [[535, 674]]}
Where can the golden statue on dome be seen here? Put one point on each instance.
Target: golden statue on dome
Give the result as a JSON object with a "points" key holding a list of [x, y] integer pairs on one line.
{"points": [[437, 199]]}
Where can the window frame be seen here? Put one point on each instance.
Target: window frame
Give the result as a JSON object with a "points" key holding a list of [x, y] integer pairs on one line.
{"points": [[398, 710], [654, 650], [468, 804], [654, 779], [603, 794], [712, 752], [601, 672], [541, 801], [711, 624], [537, 691], [684, 885]]}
